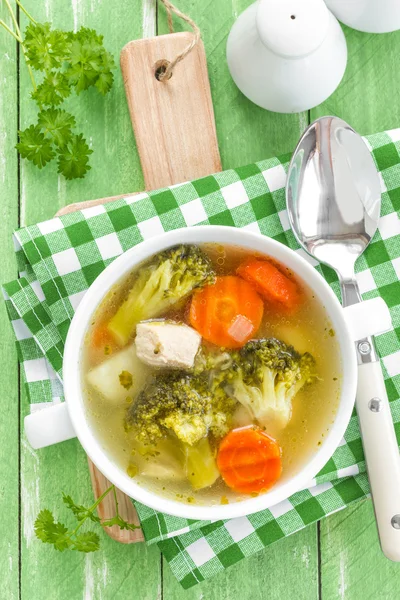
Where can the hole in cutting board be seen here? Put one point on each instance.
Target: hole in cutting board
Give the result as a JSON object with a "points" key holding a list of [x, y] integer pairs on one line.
{"points": [[293, 16], [160, 67]]}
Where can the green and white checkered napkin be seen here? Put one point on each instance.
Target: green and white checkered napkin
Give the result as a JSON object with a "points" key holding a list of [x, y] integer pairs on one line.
{"points": [[59, 259]]}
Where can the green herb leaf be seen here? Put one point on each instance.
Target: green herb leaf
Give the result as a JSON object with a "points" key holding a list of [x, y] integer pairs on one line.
{"points": [[35, 146], [68, 60], [117, 520], [46, 48], [73, 157], [106, 78], [50, 532], [83, 69], [57, 123], [104, 82], [53, 90], [63, 542], [81, 512], [90, 64], [86, 542], [85, 34]]}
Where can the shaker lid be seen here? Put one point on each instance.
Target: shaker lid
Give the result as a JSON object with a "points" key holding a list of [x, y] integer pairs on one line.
{"points": [[292, 28]]}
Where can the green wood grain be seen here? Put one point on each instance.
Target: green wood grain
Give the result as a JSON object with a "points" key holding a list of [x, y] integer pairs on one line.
{"points": [[367, 97], [353, 566], [9, 501], [285, 571], [116, 571]]}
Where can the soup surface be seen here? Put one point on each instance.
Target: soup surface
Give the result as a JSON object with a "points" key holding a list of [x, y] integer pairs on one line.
{"points": [[211, 373]]}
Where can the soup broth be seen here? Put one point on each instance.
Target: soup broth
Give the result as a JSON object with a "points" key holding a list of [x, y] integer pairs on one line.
{"points": [[162, 466]]}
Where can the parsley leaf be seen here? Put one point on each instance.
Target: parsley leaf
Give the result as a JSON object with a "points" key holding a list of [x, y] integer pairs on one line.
{"points": [[57, 123], [89, 63], [57, 534], [86, 542], [122, 524], [80, 512], [50, 532], [86, 34], [73, 157], [46, 48], [35, 146], [53, 90], [67, 61], [105, 79]]}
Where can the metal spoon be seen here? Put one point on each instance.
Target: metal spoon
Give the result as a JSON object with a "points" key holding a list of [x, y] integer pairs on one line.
{"points": [[333, 199]]}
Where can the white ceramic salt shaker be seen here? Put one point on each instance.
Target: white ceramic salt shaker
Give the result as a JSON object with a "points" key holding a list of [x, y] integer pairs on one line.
{"points": [[372, 16], [287, 55]]}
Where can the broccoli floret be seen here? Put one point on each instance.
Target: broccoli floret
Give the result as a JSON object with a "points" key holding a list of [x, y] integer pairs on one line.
{"points": [[167, 279], [188, 404], [266, 375], [215, 367], [173, 402], [219, 416], [187, 427]]}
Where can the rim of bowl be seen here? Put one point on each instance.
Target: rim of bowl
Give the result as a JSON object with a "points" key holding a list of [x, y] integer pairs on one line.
{"points": [[113, 274]]}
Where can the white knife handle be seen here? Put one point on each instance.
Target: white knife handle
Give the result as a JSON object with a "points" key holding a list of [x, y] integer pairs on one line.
{"points": [[381, 454]]}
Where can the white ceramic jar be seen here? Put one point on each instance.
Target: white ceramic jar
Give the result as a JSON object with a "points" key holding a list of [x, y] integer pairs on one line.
{"points": [[287, 55], [372, 16]]}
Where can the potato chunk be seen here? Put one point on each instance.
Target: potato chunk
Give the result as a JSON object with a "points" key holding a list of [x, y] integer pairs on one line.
{"points": [[120, 376]]}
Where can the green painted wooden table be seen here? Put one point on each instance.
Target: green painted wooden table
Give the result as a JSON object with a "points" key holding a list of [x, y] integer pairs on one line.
{"points": [[337, 559]]}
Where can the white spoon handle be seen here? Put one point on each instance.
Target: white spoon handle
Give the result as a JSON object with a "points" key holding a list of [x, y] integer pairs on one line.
{"points": [[381, 454]]}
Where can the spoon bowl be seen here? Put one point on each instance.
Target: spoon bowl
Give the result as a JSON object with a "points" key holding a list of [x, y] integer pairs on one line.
{"points": [[333, 194]]}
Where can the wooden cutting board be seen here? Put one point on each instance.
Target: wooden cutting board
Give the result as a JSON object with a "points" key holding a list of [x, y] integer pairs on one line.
{"points": [[173, 123]]}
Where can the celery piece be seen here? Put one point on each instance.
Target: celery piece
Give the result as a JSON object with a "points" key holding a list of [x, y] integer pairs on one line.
{"points": [[200, 465]]}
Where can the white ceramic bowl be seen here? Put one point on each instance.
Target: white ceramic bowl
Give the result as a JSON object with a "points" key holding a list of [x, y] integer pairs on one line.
{"points": [[123, 265]]}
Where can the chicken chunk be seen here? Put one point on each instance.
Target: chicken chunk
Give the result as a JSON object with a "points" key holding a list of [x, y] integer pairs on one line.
{"points": [[167, 344]]}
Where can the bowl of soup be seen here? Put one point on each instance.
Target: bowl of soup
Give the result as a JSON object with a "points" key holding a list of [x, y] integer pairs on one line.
{"points": [[209, 372]]}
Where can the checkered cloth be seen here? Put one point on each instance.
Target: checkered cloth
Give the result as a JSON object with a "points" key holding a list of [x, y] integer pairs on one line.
{"points": [[59, 259]]}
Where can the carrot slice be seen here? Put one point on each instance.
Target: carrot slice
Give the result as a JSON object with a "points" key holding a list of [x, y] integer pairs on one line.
{"points": [[271, 283], [101, 336], [249, 460], [227, 313]]}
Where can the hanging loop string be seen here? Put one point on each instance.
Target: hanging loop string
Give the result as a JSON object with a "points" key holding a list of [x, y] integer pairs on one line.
{"points": [[170, 8]]}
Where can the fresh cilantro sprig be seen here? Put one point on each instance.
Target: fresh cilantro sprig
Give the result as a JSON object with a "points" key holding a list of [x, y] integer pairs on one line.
{"points": [[66, 62], [52, 532]]}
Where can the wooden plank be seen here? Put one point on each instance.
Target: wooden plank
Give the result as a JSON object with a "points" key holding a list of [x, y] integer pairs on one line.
{"points": [[353, 566], [245, 134], [115, 571], [9, 493], [367, 97]]}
